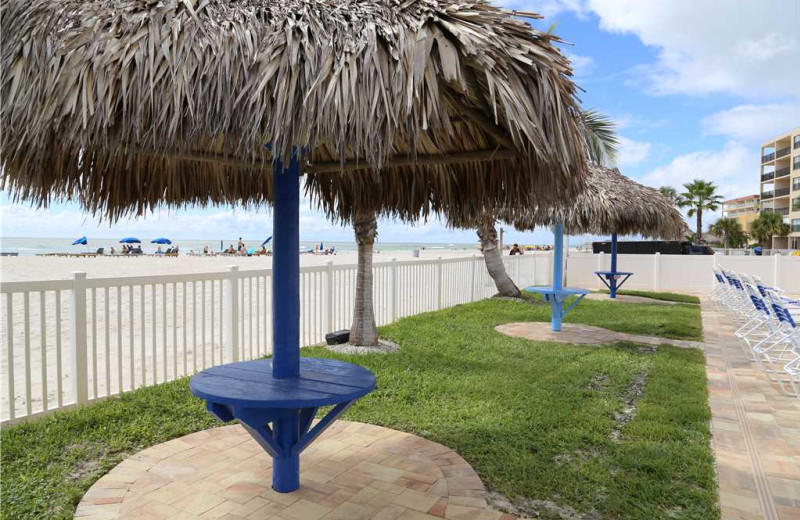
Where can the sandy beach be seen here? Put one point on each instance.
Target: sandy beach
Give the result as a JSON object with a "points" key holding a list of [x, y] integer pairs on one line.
{"points": [[13, 269]]}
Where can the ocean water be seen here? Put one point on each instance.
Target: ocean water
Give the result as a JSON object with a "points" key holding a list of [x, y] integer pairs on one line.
{"points": [[35, 246]]}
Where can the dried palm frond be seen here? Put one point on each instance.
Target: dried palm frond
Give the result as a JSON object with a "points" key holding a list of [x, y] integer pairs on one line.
{"points": [[126, 104]]}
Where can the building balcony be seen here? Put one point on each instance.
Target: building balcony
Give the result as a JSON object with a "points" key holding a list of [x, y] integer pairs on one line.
{"points": [[767, 195], [781, 192], [767, 176], [767, 158], [780, 211], [783, 152]]}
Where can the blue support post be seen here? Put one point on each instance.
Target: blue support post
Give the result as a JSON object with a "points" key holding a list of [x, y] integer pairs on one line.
{"points": [[286, 313], [613, 281], [558, 276]]}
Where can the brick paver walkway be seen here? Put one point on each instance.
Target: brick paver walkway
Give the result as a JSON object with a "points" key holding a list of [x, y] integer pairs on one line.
{"points": [[756, 430], [353, 472], [627, 298], [584, 335]]}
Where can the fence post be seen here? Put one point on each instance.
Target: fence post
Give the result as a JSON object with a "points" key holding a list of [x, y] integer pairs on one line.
{"points": [[393, 297], [328, 318], [657, 271], [232, 312], [472, 280], [777, 270], [601, 266], [80, 370], [439, 284]]}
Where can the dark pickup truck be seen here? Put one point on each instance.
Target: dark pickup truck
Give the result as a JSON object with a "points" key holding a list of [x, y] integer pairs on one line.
{"points": [[649, 247]]}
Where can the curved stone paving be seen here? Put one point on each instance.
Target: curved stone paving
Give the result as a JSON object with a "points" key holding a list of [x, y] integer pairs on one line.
{"points": [[354, 471], [584, 335]]}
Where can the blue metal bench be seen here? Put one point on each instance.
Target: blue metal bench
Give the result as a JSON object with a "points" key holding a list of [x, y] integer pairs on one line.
{"points": [[613, 280], [555, 297], [557, 293], [277, 399]]}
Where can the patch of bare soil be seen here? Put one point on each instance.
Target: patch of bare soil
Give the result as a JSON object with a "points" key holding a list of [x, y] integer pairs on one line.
{"points": [[530, 508], [629, 411], [383, 347]]}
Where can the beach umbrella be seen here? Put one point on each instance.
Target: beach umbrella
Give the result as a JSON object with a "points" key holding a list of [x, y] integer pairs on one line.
{"points": [[161, 241], [265, 242], [463, 102], [130, 240], [80, 242]]}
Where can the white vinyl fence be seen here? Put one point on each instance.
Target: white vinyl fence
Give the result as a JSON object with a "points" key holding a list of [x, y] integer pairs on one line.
{"points": [[682, 273], [68, 342], [74, 341]]}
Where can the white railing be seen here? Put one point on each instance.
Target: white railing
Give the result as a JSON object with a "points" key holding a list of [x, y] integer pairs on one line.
{"points": [[68, 342]]}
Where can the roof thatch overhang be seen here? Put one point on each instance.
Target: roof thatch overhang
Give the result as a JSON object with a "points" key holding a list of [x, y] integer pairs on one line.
{"points": [[609, 203], [125, 105]]}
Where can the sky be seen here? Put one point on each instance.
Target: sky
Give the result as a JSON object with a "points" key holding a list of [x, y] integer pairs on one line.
{"points": [[694, 86]]}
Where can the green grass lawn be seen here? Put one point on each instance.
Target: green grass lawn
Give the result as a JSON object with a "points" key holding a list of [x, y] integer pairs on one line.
{"points": [[665, 296], [537, 420]]}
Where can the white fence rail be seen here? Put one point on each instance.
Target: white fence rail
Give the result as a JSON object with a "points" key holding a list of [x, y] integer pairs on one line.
{"points": [[68, 342]]}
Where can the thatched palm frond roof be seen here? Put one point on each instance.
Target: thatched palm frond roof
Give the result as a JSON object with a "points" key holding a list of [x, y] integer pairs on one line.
{"points": [[610, 203], [126, 104]]}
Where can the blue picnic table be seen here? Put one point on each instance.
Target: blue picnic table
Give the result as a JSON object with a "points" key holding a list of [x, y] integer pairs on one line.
{"points": [[277, 399]]}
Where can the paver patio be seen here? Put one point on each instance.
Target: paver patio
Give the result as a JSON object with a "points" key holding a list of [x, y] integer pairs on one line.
{"points": [[756, 430], [355, 471]]}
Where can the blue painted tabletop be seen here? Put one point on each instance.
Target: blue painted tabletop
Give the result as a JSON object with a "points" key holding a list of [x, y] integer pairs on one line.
{"points": [[552, 290], [612, 273], [322, 382]]}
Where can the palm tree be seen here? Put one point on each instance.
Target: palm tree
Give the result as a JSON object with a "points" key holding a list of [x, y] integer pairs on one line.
{"points": [[671, 194], [699, 196], [730, 230], [364, 331], [767, 225], [493, 258]]}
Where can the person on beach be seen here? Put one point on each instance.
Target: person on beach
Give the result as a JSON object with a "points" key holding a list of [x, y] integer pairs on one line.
{"points": [[206, 250], [515, 250], [113, 250], [241, 245]]}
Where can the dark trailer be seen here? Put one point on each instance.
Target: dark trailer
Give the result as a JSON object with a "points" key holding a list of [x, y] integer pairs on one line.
{"points": [[650, 247]]}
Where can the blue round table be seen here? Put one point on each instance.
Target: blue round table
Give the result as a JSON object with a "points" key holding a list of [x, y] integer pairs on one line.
{"points": [[278, 413]]}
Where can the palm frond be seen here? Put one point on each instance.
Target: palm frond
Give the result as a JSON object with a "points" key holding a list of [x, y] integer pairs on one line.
{"points": [[599, 135]]}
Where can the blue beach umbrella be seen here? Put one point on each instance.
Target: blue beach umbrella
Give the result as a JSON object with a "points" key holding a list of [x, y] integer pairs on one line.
{"points": [[161, 241], [80, 242], [130, 240], [265, 242]]}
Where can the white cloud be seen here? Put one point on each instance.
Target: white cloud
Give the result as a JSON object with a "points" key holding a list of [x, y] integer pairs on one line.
{"points": [[734, 169], [632, 152], [582, 66], [705, 46], [740, 47], [753, 122]]}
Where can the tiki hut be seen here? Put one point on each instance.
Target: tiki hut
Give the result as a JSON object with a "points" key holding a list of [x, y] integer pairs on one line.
{"points": [[127, 105], [610, 203]]}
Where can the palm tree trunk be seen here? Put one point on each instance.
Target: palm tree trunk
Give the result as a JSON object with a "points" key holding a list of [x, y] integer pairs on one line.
{"points": [[493, 257], [699, 234], [363, 331]]}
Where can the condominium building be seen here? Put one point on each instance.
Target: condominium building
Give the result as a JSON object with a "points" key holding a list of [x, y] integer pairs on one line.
{"points": [[780, 184], [744, 209]]}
